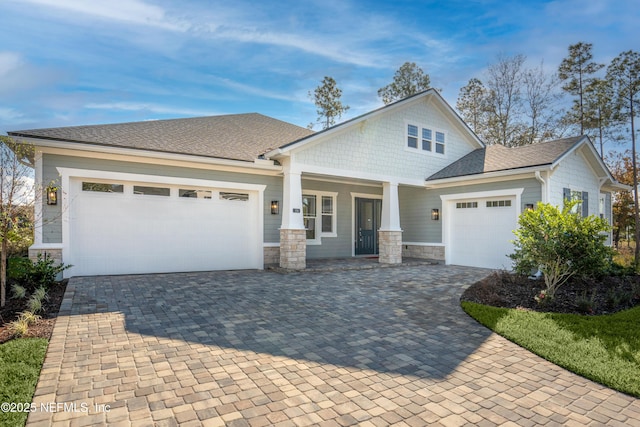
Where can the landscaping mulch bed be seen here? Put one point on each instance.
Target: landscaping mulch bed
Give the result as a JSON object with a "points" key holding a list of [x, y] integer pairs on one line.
{"points": [[44, 327], [579, 296]]}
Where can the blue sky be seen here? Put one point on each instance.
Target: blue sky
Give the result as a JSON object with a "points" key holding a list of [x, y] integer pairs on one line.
{"points": [[70, 62]]}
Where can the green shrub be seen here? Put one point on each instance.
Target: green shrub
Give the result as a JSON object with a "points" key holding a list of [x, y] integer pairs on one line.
{"points": [[29, 317], [33, 275], [561, 244]]}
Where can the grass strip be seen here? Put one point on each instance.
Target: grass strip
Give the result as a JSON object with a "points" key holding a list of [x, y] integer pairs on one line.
{"points": [[20, 364], [605, 349]]}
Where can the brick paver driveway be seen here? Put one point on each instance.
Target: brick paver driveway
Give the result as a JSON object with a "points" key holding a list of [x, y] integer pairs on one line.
{"points": [[375, 347]]}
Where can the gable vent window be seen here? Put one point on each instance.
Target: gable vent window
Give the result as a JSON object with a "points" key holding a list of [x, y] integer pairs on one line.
{"points": [[498, 203], [243, 197], [439, 142], [412, 136], [425, 140]]}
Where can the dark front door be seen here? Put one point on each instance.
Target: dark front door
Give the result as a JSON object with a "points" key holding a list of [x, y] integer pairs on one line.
{"points": [[368, 213]]}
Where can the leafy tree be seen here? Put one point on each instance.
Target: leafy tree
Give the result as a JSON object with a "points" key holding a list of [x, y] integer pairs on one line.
{"points": [[561, 244], [621, 167], [504, 100], [408, 80], [327, 99], [15, 188], [624, 76], [575, 70], [471, 105]]}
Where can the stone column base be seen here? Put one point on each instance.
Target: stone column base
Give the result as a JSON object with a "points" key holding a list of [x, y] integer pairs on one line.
{"points": [[293, 249], [390, 247]]}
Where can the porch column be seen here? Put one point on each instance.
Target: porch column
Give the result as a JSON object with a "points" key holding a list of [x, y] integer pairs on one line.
{"points": [[390, 234], [293, 238]]}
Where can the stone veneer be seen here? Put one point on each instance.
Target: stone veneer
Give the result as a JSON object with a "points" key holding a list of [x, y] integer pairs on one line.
{"points": [[55, 254], [293, 249], [434, 252], [390, 247], [271, 255]]}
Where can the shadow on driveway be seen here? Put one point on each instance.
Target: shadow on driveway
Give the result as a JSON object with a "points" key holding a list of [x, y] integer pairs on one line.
{"points": [[404, 320]]}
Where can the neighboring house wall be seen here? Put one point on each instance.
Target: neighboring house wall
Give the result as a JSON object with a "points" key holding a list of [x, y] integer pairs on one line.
{"points": [[342, 244], [379, 145], [574, 172], [416, 205], [52, 224]]}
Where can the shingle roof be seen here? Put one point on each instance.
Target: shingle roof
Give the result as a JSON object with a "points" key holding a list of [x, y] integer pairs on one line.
{"points": [[233, 136], [495, 158]]}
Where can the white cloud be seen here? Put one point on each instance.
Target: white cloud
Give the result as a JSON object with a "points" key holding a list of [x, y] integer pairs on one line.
{"points": [[9, 61], [130, 11], [153, 108]]}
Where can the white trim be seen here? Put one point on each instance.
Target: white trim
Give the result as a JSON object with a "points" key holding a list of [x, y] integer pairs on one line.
{"points": [[321, 170], [422, 244], [498, 176], [66, 174], [340, 181], [354, 196], [447, 212], [131, 155], [270, 245], [45, 246], [38, 210]]}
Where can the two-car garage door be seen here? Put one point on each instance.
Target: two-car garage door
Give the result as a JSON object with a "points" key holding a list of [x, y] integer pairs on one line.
{"points": [[480, 231], [122, 227]]}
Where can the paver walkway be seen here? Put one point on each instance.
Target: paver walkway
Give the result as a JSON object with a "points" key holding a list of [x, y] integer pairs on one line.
{"points": [[386, 346]]}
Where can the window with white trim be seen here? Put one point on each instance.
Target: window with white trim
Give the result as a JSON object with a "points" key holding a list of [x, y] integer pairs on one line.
{"points": [[421, 139], [498, 203], [319, 214]]}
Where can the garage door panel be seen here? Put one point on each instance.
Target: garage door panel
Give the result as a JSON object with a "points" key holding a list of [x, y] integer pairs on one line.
{"points": [[133, 233], [481, 236]]}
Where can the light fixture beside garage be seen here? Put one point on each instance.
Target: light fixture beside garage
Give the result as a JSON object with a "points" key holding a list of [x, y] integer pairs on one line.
{"points": [[435, 214], [52, 195], [275, 207]]}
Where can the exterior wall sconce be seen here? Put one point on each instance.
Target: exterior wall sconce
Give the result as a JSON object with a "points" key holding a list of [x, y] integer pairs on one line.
{"points": [[275, 207], [529, 206], [52, 195], [435, 214]]}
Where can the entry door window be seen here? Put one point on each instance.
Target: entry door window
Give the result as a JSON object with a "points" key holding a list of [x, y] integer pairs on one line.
{"points": [[368, 214]]}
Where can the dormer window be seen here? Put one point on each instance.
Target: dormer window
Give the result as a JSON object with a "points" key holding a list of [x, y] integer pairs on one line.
{"points": [[421, 139]]}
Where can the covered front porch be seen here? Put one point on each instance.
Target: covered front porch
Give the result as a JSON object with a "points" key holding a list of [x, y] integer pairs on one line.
{"points": [[330, 217]]}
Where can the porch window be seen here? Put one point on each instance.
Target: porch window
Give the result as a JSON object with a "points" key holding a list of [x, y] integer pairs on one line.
{"points": [[319, 215]]}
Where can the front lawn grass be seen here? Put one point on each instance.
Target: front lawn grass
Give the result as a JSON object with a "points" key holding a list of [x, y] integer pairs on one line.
{"points": [[605, 349], [20, 364]]}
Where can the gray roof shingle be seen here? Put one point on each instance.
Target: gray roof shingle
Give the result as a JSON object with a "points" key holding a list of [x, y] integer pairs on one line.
{"points": [[233, 136], [495, 158]]}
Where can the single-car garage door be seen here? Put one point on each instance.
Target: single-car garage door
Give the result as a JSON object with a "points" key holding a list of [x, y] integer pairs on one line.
{"points": [[481, 231], [121, 227]]}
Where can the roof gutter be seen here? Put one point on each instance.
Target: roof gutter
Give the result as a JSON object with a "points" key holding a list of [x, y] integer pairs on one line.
{"points": [[545, 187], [260, 164], [458, 180]]}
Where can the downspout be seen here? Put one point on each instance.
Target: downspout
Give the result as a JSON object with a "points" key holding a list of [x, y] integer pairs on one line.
{"points": [[544, 191]]}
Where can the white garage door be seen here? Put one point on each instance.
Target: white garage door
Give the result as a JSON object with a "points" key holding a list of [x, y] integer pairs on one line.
{"points": [[120, 227], [481, 231]]}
